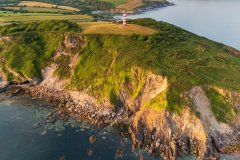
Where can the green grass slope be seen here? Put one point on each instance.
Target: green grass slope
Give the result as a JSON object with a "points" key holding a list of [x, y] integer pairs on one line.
{"points": [[186, 59], [106, 61], [32, 45]]}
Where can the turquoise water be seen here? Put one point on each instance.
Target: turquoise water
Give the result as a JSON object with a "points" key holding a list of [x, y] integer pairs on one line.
{"points": [[218, 20]]}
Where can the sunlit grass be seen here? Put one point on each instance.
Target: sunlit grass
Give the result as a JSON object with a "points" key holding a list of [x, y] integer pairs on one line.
{"points": [[118, 29], [30, 17], [46, 5]]}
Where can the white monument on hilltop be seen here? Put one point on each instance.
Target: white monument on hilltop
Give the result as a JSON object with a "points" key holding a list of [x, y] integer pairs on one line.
{"points": [[124, 19]]}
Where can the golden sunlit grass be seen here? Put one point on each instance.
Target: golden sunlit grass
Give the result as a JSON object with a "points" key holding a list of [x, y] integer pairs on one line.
{"points": [[40, 17], [46, 5], [39, 9], [110, 28]]}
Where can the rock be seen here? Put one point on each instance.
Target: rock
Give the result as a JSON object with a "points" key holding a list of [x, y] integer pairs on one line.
{"points": [[166, 126], [89, 152], [119, 153], [35, 81], [44, 133], [103, 137], [141, 157], [62, 158], [59, 135], [36, 125], [92, 139], [4, 84]]}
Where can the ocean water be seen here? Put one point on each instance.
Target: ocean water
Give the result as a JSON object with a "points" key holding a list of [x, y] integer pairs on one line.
{"points": [[24, 135], [218, 20]]}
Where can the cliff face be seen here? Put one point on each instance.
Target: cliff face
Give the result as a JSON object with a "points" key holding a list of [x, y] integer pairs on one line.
{"points": [[177, 93], [155, 128], [170, 134]]}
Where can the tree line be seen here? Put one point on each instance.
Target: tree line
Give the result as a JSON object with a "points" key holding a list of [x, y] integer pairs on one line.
{"points": [[50, 26]]}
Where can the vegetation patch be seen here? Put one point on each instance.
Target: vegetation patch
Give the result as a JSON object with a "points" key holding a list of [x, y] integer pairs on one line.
{"points": [[9, 1], [113, 97], [30, 52], [116, 2], [49, 26], [63, 70], [134, 81], [158, 103], [104, 64], [222, 109]]}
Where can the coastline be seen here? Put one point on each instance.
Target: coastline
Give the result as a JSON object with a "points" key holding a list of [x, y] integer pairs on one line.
{"points": [[69, 106], [161, 131], [147, 7], [143, 136]]}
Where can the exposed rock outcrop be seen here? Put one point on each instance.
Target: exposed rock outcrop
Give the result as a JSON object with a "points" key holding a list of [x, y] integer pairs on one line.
{"points": [[170, 134]]}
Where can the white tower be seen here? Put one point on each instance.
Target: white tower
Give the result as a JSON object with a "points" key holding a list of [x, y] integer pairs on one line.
{"points": [[124, 19]]}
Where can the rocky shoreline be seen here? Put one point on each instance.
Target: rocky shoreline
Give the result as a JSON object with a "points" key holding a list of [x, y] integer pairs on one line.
{"points": [[70, 107], [163, 133]]}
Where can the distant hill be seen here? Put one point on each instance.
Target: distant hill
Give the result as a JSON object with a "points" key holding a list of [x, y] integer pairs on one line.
{"points": [[86, 5], [9, 1]]}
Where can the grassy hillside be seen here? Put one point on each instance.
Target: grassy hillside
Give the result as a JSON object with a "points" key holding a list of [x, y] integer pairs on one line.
{"points": [[106, 62], [33, 46]]}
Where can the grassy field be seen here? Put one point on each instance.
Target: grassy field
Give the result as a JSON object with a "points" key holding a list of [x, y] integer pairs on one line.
{"points": [[46, 5], [116, 2], [30, 17], [39, 9], [10, 13], [117, 29]]}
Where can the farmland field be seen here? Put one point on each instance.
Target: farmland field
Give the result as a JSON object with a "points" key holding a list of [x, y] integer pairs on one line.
{"points": [[116, 2], [39, 9], [46, 5], [8, 17]]}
